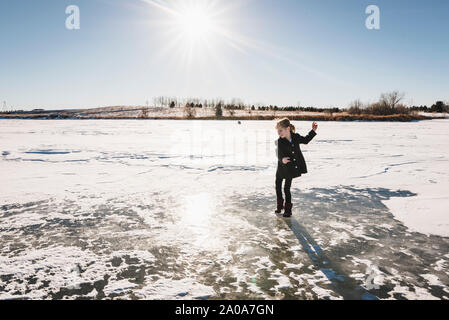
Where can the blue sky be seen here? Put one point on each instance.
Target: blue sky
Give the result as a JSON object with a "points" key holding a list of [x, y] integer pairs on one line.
{"points": [[318, 53]]}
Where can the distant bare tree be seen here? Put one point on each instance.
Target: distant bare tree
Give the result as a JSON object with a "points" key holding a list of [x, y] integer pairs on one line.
{"points": [[388, 104], [391, 99], [144, 113], [329, 111], [189, 111], [163, 102], [238, 103], [157, 102], [356, 107]]}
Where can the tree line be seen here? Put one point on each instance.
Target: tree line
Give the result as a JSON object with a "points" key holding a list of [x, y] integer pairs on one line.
{"points": [[390, 103]]}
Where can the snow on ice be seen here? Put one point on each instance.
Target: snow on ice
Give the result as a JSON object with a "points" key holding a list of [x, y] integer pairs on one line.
{"points": [[184, 210]]}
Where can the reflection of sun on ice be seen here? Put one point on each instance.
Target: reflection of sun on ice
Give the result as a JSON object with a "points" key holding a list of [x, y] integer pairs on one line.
{"points": [[198, 209], [195, 219]]}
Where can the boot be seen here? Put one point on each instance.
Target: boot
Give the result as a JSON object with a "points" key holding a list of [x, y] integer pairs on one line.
{"points": [[280, 205], [288, 210]]}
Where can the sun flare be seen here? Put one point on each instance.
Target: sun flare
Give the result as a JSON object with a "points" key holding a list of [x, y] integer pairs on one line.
{"points": [[195, 23], [197, 34]]}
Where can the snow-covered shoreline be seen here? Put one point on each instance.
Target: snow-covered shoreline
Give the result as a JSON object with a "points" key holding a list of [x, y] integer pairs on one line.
{"points": [[179, 113]]}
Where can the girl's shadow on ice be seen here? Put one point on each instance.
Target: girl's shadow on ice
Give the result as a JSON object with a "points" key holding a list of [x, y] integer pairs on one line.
{"points": [[343, 284], [351, 225]]}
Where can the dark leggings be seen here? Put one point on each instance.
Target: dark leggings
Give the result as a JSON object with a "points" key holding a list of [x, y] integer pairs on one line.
{"points": [[287, 186]]}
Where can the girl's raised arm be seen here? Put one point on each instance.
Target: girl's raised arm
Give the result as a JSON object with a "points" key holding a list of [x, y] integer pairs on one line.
{"points": [[310, 136]]}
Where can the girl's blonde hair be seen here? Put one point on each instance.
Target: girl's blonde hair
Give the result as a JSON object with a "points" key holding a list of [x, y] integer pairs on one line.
{"points": [[285, 123]]}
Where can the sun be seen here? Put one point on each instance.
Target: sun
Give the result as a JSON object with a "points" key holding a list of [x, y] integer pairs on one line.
{"points": [[192, 22], [195, 23], [196, 34]]}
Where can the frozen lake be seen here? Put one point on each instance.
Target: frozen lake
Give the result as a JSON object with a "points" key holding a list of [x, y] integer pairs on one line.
{"points": [[184, 210]]}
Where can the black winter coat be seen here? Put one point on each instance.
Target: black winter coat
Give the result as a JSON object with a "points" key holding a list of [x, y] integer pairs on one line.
{"points": [[297, 165]]}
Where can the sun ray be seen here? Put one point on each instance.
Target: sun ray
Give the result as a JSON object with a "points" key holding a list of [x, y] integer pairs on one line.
{"points": [[199, 27], [161, 5]]}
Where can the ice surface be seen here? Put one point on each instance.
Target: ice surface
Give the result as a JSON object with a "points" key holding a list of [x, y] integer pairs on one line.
{"points": [[184, 210]]}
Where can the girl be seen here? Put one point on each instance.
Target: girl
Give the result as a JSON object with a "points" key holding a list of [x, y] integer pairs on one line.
{"points": [[291, 162]]}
